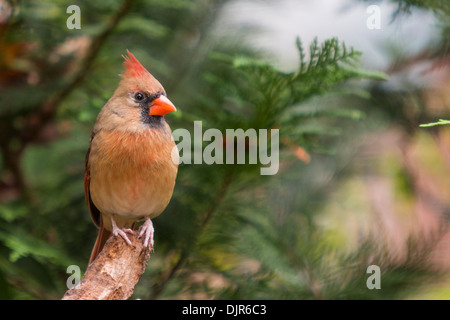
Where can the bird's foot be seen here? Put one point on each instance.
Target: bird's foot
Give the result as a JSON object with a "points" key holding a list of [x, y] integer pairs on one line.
{"points": [[121, 232], [147, 231]]}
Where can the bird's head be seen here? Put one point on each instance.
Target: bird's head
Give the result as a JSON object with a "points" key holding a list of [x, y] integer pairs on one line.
{"points": [[139, 93]]}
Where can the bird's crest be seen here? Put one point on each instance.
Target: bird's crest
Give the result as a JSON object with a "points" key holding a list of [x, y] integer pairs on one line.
{"points": [[136, 77], [133, 68]]}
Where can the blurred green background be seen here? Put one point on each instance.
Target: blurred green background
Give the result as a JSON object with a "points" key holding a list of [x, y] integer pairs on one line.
{"points": [[360, 183]]}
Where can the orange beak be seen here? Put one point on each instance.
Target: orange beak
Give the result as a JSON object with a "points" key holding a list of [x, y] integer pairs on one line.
{"points": [[161, 106]]}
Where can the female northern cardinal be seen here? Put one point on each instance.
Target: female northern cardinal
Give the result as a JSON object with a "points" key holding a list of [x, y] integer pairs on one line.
{"points": [[129, 171]]}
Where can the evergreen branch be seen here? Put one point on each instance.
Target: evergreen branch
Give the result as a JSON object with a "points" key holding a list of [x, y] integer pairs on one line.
{"points": [[329, 64], [184, 251], [432, 124], [301, 55]]}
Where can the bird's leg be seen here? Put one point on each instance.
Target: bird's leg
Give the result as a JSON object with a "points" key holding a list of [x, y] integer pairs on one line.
{"points": [[121, 232], [147, 230]]}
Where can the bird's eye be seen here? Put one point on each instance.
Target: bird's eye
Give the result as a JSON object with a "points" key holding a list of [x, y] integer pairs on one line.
{"points": [[139, 96]]}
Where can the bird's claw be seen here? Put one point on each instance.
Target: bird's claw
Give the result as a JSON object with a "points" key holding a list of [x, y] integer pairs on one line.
{"points": [[147, 231], [122, 232]]}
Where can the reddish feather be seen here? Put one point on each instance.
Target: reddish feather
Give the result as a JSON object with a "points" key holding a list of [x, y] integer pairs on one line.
{"points": [[133, 68]]}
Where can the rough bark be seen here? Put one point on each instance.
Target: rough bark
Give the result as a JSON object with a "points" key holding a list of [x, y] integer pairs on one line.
{"points": [[114, 273]]}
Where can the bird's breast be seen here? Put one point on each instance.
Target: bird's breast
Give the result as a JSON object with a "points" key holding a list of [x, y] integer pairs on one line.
{"points": [[132, 174]]}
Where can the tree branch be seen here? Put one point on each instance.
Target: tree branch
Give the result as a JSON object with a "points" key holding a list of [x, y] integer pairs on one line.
{"points": [[38, 119], [115, 272]]}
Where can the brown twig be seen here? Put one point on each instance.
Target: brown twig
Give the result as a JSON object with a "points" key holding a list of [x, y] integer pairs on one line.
{"points": [[114, 273]]}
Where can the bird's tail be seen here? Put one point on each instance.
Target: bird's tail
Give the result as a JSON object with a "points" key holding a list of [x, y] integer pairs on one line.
{"points": [[103, 235]]}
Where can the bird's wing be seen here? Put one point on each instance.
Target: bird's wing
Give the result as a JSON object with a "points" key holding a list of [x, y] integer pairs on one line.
{"points": [[93, 210]]}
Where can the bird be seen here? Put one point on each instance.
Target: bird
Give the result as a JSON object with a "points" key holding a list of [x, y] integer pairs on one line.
{"points": [[131, 163]]}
